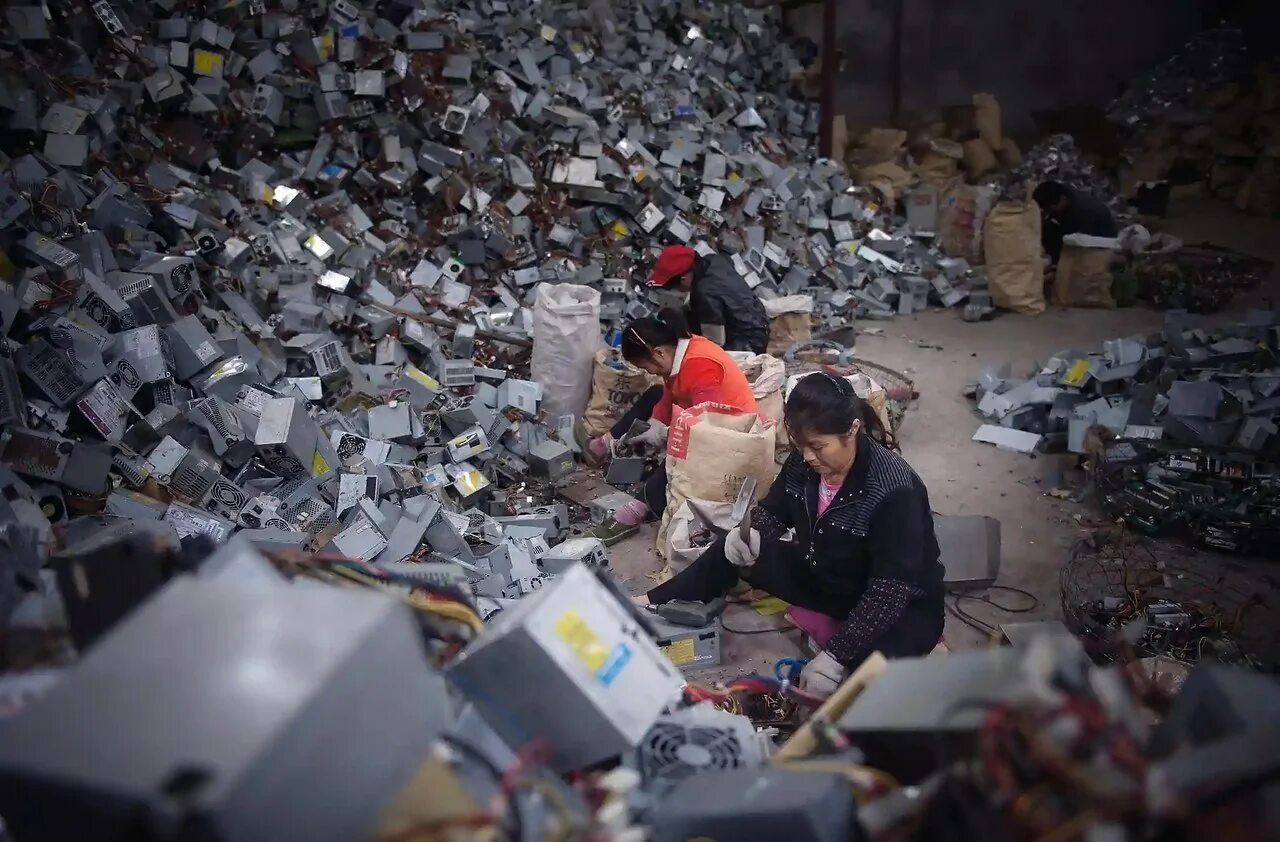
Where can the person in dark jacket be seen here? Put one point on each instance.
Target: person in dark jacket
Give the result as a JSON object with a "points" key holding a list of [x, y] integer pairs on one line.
{"points": [[864, 550], [722, 307], [1065, 211]]}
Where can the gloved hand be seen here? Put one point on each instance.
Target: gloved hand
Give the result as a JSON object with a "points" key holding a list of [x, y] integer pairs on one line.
{"points": [[739, 552], [654, 438], [821, 676]]}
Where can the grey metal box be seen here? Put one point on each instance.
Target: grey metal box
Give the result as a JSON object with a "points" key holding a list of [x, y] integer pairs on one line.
{"points": [[689, 648], [248, 741], [569, 665], [193, 348], [551, 459], [286, 436]]}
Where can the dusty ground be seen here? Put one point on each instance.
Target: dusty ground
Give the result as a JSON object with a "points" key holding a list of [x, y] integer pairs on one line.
{"points": [[942, 353]]}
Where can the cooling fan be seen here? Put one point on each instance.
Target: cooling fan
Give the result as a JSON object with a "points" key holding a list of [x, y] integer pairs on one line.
{"points": [[350, 445], [695, 740]]}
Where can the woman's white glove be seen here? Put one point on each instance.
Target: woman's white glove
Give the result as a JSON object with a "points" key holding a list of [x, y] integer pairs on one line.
{"points": [[739, 552], [821, 676], [654, 438]]}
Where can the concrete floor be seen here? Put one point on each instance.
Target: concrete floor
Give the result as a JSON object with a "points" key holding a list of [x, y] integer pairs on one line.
{"points": [[942, 353]]}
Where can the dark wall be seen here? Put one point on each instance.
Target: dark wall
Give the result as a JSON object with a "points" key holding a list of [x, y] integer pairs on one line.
{"points": [[1032, 55]]}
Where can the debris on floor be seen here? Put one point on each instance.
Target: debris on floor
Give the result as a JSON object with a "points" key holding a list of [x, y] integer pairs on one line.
{"points": [[1178, 430]]}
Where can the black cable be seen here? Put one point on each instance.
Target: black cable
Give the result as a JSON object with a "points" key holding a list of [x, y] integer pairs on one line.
{"points": [[953, 607]]}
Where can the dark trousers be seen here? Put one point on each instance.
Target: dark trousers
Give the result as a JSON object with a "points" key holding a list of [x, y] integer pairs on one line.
{"points": [[781, 570], [1051, 235], [654, 492]]}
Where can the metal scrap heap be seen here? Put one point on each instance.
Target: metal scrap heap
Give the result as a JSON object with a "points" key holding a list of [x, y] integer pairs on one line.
{"points": [[1179, 428]]}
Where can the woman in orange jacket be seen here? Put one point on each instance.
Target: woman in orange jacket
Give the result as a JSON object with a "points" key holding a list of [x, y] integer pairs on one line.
{"points": [[694, 370]]}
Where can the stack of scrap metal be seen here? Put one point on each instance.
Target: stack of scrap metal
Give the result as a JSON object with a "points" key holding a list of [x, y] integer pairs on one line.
{"points": [[1181, 426], [272, 268]]}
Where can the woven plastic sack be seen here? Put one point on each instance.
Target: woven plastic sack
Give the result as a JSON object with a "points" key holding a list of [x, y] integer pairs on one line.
{"points": [[615, 386], [766, 375], [711, 449], [681, 551], [566, 335]]}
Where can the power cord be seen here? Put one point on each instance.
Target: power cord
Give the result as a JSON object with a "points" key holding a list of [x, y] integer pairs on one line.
{"points": [[953, 606]]}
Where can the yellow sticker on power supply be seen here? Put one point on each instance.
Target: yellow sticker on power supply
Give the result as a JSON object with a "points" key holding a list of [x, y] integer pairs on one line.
{"points": [[620, 229], [206, 63], [318, 465], [584, 642], [680, 652], [422, 377], [1075, 375]]}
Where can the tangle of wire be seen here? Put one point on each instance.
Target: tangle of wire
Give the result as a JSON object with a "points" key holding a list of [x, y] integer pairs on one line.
{"points": [[957, 597]]}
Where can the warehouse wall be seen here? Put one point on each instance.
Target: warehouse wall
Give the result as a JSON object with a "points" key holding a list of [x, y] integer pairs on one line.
{"points": [[1032, 56]]}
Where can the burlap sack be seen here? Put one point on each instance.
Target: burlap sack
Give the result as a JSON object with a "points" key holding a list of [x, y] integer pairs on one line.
{"points": [[767, 376], [787, 329], [1010, 155], [936, 167], [986, 119], [887, 178], [1015, 270], [884, 144], [962, 212], [790, 321], [711, 449], [1084, 277], [979, 158], [613, 391]]}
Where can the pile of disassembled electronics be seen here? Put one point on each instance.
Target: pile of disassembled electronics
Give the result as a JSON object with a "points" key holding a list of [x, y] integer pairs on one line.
{"points": [[285, 550], [1179, 429]]}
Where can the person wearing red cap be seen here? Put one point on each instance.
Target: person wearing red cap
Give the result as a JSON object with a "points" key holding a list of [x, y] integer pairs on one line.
{"points": [[721, 305]]}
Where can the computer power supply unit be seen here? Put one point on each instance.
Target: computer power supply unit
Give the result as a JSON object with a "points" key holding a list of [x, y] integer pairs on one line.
{"points": [[286, 437], [290, 762], [689, 648], [590, 679]]}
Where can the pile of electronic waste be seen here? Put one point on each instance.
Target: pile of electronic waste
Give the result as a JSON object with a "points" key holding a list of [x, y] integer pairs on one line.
{"points": [[563, 719], [1179, 428], [271, 269]]}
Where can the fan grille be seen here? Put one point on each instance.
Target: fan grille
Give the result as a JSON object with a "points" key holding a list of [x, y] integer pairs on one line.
{"points": [[675, 747]]}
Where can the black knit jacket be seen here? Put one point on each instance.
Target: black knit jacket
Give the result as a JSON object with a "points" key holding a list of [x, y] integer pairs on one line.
{"points": [[874, 547]]}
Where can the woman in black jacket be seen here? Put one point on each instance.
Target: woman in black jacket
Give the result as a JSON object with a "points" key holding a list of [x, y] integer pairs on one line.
{"points": [[864, 548]]}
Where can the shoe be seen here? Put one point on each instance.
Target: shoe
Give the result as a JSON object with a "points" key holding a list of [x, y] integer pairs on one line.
{"points": [[611, 532], [590, 454]]}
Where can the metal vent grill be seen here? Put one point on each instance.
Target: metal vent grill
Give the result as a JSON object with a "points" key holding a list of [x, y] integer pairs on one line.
{"points": [[350, 445], [130, 468], [327, 359], [192, 478], [12, 407], [54, 374], [283, 465], [225, 499], [310, 516], [126, 375]]}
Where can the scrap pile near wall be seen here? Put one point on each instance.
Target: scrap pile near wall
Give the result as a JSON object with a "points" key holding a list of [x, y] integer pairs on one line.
{"points": [[1206, 122], [1179, 430]]}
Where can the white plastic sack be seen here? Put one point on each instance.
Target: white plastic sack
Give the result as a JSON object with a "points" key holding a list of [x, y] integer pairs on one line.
{"points": [[680, 549], [566, 336], [766, 375], [774, 307]]}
